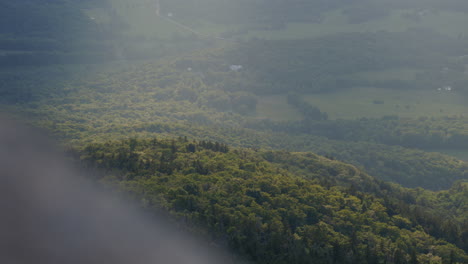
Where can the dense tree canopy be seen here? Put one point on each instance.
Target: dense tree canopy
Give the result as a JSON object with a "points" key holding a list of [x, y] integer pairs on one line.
{"points": [[281, 207]]}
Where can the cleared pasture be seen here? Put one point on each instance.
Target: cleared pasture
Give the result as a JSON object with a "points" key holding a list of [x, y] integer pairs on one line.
{"points": [[370, 102]]}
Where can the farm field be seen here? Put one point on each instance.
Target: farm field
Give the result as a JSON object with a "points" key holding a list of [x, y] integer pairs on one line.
{"points": [[370, 102], [335, 22], [375, 102]]}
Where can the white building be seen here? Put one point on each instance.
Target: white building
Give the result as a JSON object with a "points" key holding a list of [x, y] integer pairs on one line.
{"points": [[235, 67]]}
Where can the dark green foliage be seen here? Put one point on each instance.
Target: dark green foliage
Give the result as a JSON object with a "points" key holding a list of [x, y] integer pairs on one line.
{"points": [[275, 207]]}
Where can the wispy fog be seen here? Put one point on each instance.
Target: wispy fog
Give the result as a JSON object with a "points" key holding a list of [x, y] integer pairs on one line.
{"points": [[50, 215]]}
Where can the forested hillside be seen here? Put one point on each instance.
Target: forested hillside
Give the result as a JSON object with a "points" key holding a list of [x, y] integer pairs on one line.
{"points": [[281, 207], [167, 99]]}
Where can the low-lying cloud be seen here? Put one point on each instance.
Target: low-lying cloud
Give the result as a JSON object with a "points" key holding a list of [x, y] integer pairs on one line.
{"points": [[49, 214]]}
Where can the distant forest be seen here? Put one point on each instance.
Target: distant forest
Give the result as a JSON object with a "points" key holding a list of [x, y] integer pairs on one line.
{"points": [[281, 207]]}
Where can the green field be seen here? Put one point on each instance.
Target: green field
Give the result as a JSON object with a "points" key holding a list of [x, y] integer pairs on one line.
{"points": [[363, 102], [335, 22]]}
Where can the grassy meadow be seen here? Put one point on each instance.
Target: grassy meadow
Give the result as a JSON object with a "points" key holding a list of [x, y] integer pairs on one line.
{"points": [[370, 102]]}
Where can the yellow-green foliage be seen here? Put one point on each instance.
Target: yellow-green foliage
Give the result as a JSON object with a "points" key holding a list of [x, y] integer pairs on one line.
{"points": [[280, 207]]}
